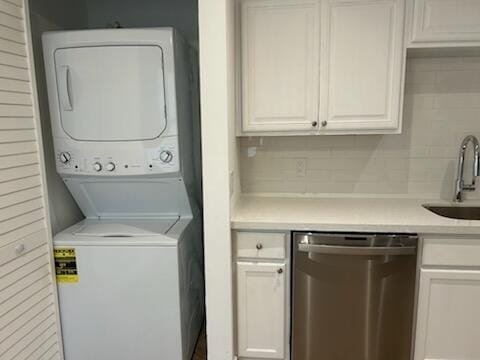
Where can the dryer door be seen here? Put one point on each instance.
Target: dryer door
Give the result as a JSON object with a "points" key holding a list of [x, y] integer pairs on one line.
{"points": [[111, 93]]}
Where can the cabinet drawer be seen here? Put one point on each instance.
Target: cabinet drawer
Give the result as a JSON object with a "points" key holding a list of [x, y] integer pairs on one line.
{"points": [[266, 245], [450, 251]]}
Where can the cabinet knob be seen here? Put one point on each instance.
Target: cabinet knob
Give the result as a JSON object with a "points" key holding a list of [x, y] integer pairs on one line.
{"points": [[324, 123], [19, 249], [280, 271], [314, 123], [259, 246]]}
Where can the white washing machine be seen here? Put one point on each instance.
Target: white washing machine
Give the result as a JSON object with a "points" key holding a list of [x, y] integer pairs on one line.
{"points": [[138, 289], [130, 277]]}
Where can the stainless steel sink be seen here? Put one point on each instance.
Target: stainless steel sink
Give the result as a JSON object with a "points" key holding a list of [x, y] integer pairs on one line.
{"points": [[455, 212]]}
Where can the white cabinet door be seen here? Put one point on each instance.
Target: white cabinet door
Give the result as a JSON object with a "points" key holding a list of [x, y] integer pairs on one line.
{"points": [[362, 66], [261, 303], [280, 41], [29, 321], [448, 315], [446, 23]]}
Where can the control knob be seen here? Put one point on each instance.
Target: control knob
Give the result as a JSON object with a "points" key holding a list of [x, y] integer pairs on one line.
{"points": [[166, 156], [110, 166], [97, 166], [65, 157]]}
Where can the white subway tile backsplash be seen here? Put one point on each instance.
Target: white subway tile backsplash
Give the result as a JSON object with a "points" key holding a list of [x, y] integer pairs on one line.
{"points": [[420, 77], [418, 101], [331, 188], [420, 88], [457, 100], [436, 64], [471, 63], [442, 105], [458, 81], [334, 141], [380, 188], [319, 175]]}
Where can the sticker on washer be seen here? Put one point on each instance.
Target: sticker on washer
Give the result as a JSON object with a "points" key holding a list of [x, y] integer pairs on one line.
{"points": [[65, 265]]}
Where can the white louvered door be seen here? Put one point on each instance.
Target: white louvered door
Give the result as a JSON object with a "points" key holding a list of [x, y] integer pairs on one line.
{"points": [[29, 325]]}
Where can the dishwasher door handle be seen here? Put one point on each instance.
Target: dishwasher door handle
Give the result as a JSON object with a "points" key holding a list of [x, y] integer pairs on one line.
{"points": [[357, 250]]}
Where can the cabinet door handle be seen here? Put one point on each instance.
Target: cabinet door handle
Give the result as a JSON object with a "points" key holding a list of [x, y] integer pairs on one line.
{"points": [[280, 271], [259, 246], [324, 123], [314, 123]]}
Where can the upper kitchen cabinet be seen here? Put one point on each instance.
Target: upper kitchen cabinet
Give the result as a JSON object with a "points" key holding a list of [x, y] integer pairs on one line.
{"points": [[280, 51], [445, 23], [362, 66], [321, 66]]}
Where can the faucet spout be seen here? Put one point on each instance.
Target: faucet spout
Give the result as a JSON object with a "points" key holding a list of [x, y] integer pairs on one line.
{"points": [[460, 185]]}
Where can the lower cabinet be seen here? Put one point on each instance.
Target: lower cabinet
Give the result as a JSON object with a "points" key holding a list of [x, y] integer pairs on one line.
{"points": [[261, 310], [448, 317], [262, 295]]}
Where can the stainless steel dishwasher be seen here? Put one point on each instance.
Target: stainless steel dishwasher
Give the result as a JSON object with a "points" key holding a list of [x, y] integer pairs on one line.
{"points": [[353, 296]]}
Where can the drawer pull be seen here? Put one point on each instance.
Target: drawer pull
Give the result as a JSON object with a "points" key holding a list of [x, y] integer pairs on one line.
{"points": [[259, 246], [280, 271]]}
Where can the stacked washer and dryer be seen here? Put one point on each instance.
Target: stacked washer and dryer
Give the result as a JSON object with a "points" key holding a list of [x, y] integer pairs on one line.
{"points": [[124, 138]]}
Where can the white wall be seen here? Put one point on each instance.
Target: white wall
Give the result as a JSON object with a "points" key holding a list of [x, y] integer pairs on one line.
{"points": [[216, 30], [48, 15], [181, 14], [442, 105]]}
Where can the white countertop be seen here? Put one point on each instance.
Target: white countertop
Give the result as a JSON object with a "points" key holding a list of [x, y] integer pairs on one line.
{"points": [[262, 212]]}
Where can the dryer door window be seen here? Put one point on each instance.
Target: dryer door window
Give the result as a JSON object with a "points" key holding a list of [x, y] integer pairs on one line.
{"points": [[111, 93]]}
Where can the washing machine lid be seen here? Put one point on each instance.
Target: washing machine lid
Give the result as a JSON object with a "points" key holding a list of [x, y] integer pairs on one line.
{"points": [[111, 93], [125, 228], [123, 197]]}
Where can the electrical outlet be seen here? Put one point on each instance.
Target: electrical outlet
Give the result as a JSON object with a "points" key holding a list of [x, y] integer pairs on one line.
{"points": [[251, 151], [301, 167]]}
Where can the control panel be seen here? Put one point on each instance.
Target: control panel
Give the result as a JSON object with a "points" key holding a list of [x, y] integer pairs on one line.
{"points": [[127, 158]]}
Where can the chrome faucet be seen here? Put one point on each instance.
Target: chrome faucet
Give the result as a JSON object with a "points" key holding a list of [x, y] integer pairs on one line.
{"points": [[460, 185]]}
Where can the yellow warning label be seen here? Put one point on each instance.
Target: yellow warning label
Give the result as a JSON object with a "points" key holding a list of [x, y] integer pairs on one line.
{"points": [[65, 265]]}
